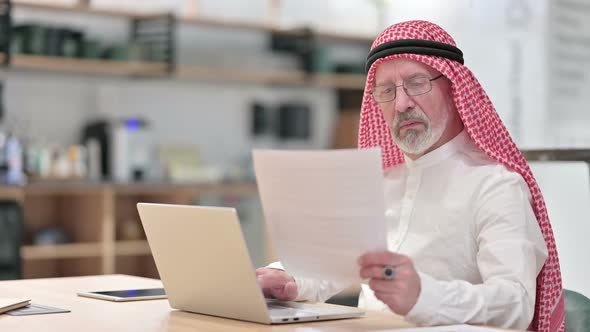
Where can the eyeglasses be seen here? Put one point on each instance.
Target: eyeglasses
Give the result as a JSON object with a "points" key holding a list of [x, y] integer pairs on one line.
{"points": [[415, 86]]}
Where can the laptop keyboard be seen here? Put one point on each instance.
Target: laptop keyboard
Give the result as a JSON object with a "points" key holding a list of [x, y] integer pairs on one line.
{"points": [[281, 310], [286, 310], [276, 306]]}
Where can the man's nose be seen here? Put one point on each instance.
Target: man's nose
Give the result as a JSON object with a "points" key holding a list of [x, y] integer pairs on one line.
{"points": [[403, 102]]}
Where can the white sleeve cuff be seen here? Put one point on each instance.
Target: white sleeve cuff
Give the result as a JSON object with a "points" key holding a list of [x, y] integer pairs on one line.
{"points": [[428, 302], [304, 289], [276, 265], [309, 289]]}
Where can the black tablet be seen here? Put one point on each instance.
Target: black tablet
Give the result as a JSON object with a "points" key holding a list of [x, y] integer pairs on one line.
{"points": [[127, 294]]}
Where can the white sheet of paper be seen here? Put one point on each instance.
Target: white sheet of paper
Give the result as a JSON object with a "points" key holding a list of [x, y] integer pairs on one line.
{"points": [[323, 209], [449, 328]]}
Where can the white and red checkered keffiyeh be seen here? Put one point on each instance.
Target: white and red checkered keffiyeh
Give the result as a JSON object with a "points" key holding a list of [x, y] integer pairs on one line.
{"points": [[487, 131]]}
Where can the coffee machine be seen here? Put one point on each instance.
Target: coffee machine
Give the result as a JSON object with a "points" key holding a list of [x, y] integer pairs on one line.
{"points": [[125, 149]]}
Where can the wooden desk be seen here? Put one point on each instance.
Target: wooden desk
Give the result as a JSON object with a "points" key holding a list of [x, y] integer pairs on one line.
{"points": [[89, 315]]}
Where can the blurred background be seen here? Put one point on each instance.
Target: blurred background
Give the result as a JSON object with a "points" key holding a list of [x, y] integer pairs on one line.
{"points": [[106, 103]]}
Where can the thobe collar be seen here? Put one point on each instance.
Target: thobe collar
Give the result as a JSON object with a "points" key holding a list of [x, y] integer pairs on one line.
{"points": [[443, 152]]}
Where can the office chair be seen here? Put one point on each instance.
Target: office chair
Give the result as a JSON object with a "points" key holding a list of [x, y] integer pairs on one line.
{"points": [[577, 312], [11, 234]]}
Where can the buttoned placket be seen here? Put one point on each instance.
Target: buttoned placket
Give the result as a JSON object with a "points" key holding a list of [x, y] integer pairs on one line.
{"points": [[398, 236]]}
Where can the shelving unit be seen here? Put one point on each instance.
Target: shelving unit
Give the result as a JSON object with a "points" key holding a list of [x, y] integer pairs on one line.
{"points": [[132, 248], [198, 21], [146, 69], [86, 66], [236, 76], [71, 250], [94, 217], [296, 78], [182, 72], [226, 24], [340, 81], [154, 30], [94, 214], [79, 9], [266, 27]]}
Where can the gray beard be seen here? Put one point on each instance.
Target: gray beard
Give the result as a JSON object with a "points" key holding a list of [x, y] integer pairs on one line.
{"points": [[416, 141]]}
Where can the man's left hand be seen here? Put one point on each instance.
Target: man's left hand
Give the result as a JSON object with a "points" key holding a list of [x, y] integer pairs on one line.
{"points": [[399, 293]]}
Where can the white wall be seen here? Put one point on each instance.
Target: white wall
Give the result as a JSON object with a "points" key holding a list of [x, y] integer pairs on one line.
{"points": [[214, 116], [569, 73], [507, 57], [47, 108], [513, 48]]}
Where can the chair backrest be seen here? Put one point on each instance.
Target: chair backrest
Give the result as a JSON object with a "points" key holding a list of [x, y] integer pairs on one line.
{"points": [[566, 188], [577, 312], [11, 234]]}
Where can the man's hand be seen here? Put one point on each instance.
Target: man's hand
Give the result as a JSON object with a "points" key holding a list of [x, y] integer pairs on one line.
{"points": [[399, 293], [276, 284]]}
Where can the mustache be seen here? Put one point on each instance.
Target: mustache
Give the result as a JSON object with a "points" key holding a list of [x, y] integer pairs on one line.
{"points": [[410, 115]]}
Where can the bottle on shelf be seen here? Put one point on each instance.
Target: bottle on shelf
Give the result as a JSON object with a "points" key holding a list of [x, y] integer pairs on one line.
{"points": [[13, 154]]}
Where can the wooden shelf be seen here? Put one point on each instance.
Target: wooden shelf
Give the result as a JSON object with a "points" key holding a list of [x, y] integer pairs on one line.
{"points": [[226, 24], [84, 188], [341, 81], [239, 76], [145, 69], [345, 37], [344, 81], [12, 192], [56, 188], [82, 10], [237, 189], [199, 21], [71, 250], [94, 215], [85, 66], [265, 27], [132, 248], [246, 188]]}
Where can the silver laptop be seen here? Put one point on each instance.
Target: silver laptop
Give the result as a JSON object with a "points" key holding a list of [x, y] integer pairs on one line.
{"points": [[205, 267]]}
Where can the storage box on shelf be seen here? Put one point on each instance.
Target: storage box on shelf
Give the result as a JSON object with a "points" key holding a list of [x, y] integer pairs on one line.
{"points": [[97, 223]]}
